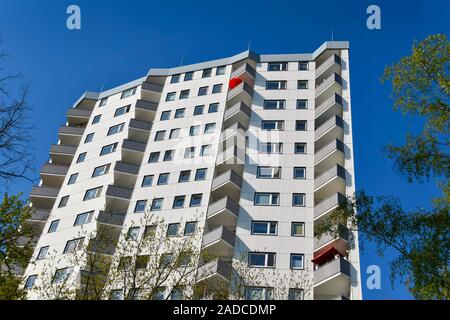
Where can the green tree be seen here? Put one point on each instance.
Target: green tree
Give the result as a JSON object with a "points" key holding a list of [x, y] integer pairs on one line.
{"points": [[420, 88]]}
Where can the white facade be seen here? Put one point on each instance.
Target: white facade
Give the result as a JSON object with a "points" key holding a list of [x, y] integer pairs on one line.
{"points": [[315, 120]]}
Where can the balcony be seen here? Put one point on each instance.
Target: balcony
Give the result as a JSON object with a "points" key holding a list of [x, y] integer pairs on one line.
{"points": [[117, 198], [333, 153], [228, 184], [245, 72], [53, 175], [145, 110], [125, 174], [132, 151], [219, 242], [111, 219], [339, 239], [233, 134], [76, 117], [332, 279], [62, 154], [328, 205], [151, 91], [69, 135], [230, 158], [331, 107], [216, 270], [102, 246], [329, 183], [139, 130], [238, 112], [37, 220], [223, 212], [329, 131], [328, 86], [241, 93], [43, 197], [331, 65]]}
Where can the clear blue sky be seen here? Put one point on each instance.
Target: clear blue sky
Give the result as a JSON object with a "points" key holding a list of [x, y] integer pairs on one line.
{"points": [[120, 40]]}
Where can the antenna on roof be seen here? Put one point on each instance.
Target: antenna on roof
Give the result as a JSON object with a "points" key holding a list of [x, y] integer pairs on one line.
{"points": [[332, 35], [181, 61], [103, 84], [249, 43]]}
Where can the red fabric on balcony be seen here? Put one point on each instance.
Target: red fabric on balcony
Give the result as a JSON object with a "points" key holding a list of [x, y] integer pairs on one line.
{"points": [[234, 82], [327, 254]]}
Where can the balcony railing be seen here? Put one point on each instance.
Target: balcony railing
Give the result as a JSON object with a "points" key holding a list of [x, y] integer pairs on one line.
{"points": [[39, 215], [54, 169], [244, 69], [146, 105], [328, 205], [333, 106], [69, 130], [219, 241], [327, 82], [133, 146], [331, 61], [242, 92], [227, 177], [338, 232], [215, 270], [126, 168], [44, 192], [119, 192], [148, 86], [115, 219], [62, 149], [223, 212], [331, 269], [140, 125]]}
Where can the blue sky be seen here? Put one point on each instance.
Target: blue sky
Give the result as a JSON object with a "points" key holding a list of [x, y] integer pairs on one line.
{"points": [[120, 40]]}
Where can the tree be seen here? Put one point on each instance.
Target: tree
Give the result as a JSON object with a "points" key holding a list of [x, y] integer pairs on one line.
{"points": [[421, 88]]}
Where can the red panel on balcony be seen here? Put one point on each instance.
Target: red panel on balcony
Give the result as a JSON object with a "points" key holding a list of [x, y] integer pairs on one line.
{"points": [[327, 254], [234, 82]]}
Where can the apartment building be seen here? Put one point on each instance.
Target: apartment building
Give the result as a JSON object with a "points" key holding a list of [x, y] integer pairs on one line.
{"points": [[255, 151]]}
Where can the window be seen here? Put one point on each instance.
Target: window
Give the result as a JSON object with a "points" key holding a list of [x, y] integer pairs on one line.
{"points": [[110, 148], [160, 135], [168, 155], [96, 119], [116, 294], [171, 96], [264, 227], [300, 147], [196, 200], [128, 93], [92, 193], [178, 202], [53, 226], [63, 201], [298, 199], [220, 70], [73, 245], [116, 129], [300, 125], [205, 150], [298, 229], [254, 293], [29, 284], [213, 107], [103, 102], [274, 104], [189, 152], [81, 157], [133, 233], [140, 206], [198, 110], [295, 294], [271, 147], [83, 218], [217, 88], [302, 104], [268, 125], [154, 157], [276, 85], [261, 259], [157, 204], [61, 275], [149, 231], [179, 113], [296, 261], [268, 172], [188, 76], [277, 66], [184, 176], [177, 294], [194, 130], [147, 181], [163, 178], [122, 110], [303, 65], [174, 133], [73, 178], [202, 91], [210, 128], [190, 228], [184, 94], [175, 78], [159, 293], [99, 171], [89, 138], [172, 229], [206, 73], [165, 115], [200, 174], [42, 253], [142, 262], [299, 173], [267, 199], [302, 84]]}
